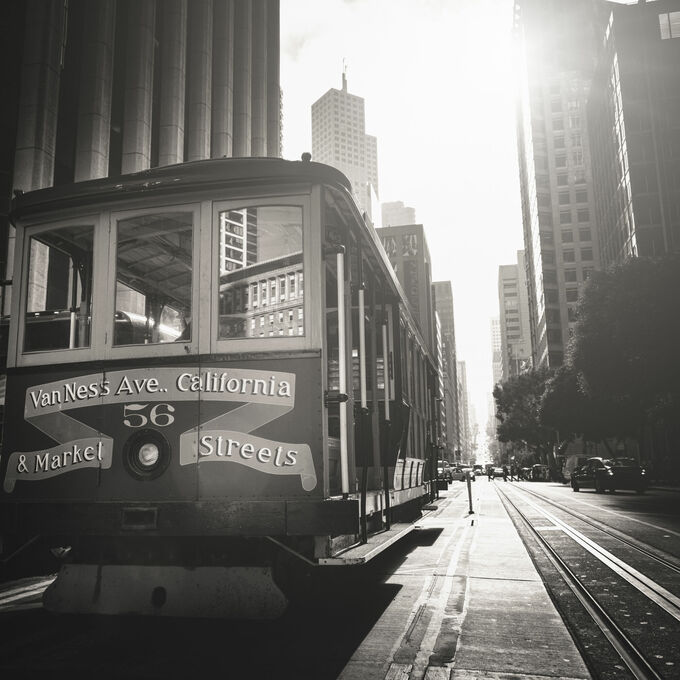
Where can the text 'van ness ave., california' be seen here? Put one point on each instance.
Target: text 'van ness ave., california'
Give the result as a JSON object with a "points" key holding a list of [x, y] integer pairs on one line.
{"points": [[166, 383]]}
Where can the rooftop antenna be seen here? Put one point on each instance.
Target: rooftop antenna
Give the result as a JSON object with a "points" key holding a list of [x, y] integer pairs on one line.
{"points": [[344, 74]]}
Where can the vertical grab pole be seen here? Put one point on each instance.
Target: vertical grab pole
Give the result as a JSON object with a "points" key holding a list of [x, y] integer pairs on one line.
{"points": [[386, 394], [342, 367], [362, 347], [363, 418]]}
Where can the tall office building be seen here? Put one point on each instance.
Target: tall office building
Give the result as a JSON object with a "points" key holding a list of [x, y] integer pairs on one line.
{"points": [[395, 213], [557, 41], [443, 303], [339, 139], [466, 442], [514, 333], [102, 88], [496, 351], [634, 120], [407, 250]]}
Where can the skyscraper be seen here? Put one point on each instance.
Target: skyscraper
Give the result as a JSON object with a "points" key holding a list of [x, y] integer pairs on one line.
{"points": [[513, 331], [395, 213], [98, 89], [443, 302], [409, 255], [339, 139], [557, 41], [466, 441], [634, 120], [496, 351]]}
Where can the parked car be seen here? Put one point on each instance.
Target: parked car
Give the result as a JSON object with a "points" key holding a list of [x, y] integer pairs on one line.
{"points": [[539, 473], [498, 472], [444, 470], [609, 474], [525, 473]]}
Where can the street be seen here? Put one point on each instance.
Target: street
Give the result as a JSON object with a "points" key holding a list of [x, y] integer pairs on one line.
{"points": [[416, 610]]}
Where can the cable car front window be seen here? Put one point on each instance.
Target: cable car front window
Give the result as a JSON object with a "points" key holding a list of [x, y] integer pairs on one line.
{"points": [[153, 284], [260, 272], [59, 291]]}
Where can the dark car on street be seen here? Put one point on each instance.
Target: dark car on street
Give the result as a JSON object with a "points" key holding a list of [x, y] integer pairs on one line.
{"points": [[444, 470], [609, 474]]}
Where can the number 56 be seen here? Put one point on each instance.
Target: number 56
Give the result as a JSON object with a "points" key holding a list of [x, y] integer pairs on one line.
{"points": [[133, 416]]}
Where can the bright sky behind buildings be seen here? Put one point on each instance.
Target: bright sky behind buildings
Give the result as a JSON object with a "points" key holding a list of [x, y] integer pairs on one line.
{"points": [[438, 81]]}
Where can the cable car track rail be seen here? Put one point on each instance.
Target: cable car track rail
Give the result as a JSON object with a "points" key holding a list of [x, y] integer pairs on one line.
{"points": [[626, 649], [614, 533]]}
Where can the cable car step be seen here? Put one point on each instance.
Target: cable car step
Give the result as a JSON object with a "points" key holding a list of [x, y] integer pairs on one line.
{"points": [[360, 554]]}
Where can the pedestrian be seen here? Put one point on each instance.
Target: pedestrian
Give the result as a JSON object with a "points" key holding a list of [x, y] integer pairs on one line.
{"points": [[489, 473], [505, 473], [513, 473]]}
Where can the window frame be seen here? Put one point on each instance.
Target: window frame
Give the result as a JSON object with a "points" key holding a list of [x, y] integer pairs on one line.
{"points": [[111, 351], [311, 262], [16, 356]]}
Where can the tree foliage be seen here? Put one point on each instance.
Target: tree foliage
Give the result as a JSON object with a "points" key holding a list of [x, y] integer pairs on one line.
{"points": [[569, 409], [626, 340], [518, 402]]}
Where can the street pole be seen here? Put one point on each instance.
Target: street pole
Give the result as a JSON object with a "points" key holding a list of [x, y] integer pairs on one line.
{"points": [[468, 479]]}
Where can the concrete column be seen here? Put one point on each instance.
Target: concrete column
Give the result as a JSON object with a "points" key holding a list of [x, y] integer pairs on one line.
{"points": [[173, 79], [39, 96], [273, 80], [138, 86], [199, 79], [242, 70], [96, 79], [223, 79], [258, 86]]}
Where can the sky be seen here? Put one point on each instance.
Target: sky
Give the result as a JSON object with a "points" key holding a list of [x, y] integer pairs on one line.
{"points": [[438, 81]]}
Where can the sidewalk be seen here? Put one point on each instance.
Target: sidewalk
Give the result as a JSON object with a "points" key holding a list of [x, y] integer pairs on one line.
{"points": [[477, 600]]}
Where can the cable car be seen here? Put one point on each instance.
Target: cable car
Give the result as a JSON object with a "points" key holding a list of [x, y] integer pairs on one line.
{"points": [[212, 372]]}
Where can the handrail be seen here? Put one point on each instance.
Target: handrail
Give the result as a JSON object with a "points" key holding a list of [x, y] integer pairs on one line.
{"points": [[342, 367]]}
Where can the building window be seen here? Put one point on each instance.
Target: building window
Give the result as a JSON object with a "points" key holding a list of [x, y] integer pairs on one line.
{"points": [[584, 234], [565, 217], [568, 256], [550, 277], [669, 25], [564, 198], [570, 275], [581, 196], [567, 236], [272, 239], [560, 161], [586, 253], [562, 180], [559, 142], [571, 313], [572, 294], [583, 215]]}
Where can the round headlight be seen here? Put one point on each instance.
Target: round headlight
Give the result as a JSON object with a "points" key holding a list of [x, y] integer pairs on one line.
{"points": [[148, 454]]}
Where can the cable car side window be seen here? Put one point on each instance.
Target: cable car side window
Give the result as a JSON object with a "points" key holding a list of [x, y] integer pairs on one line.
{"points": [[154, 263], [260, 263], [59, 292]]}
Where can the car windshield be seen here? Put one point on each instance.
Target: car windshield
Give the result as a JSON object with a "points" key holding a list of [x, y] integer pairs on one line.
{"points": [[621, 462]]}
